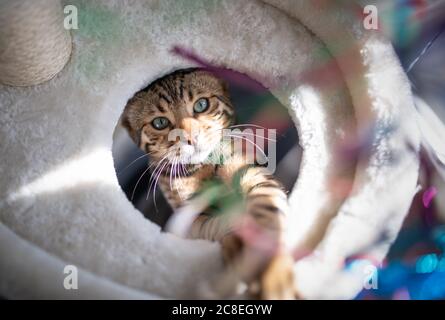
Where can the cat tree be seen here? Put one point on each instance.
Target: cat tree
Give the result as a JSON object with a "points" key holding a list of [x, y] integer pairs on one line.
{"points": [[60, 200]]}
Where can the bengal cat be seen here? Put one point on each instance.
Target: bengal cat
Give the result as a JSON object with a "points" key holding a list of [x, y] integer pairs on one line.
{"points": [[196, 104]]}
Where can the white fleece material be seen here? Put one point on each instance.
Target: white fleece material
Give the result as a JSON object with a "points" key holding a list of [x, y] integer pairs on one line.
{"points": [[60, 202]]}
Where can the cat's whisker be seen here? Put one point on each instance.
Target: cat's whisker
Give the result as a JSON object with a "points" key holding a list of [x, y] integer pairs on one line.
{"points": [[152, 178], [179, 178], [180, 170], [134, 189], [246, 133], [156, 183], [171, 172], [153, 175], [157, 163], [247, 125], [137, 182], [255, 135], [251, 125], [186, 170], [132, 162], [253, 143]]}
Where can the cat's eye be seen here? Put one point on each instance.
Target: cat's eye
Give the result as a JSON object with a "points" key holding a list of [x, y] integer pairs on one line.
{"points": [[160, 123], [201, 105]]}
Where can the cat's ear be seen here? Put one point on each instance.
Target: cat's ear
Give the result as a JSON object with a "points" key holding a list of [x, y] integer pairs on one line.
{"points": [[127, 123]]}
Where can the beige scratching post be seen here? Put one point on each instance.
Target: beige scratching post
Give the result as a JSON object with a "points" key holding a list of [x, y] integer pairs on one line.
{"points": [[34, 45]]}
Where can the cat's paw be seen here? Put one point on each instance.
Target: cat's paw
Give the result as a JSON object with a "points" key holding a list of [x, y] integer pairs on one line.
{"points": [[277, 280], [227, 284]]}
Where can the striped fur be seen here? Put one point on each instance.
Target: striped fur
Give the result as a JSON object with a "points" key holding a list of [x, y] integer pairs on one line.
{"points": [[173, 97]]}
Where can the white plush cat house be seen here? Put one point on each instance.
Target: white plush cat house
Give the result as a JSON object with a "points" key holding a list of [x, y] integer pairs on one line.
{"points": [[61, 97]]}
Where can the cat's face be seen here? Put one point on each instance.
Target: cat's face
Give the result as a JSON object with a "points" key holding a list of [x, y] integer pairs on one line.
{"points": [[179, 116]]}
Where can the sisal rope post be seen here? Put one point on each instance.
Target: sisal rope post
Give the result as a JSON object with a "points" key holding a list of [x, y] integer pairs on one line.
{"points": [[34, 45]]}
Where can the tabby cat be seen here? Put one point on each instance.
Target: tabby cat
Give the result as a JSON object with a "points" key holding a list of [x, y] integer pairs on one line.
{"points": [[196, 104]]}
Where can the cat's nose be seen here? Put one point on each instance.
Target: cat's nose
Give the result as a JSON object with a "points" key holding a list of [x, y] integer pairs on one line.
{"points": [[192, 138], [191, 130]]}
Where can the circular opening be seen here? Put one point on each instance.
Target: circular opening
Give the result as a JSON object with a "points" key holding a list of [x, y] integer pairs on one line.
{"points": [[255, 108]]}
